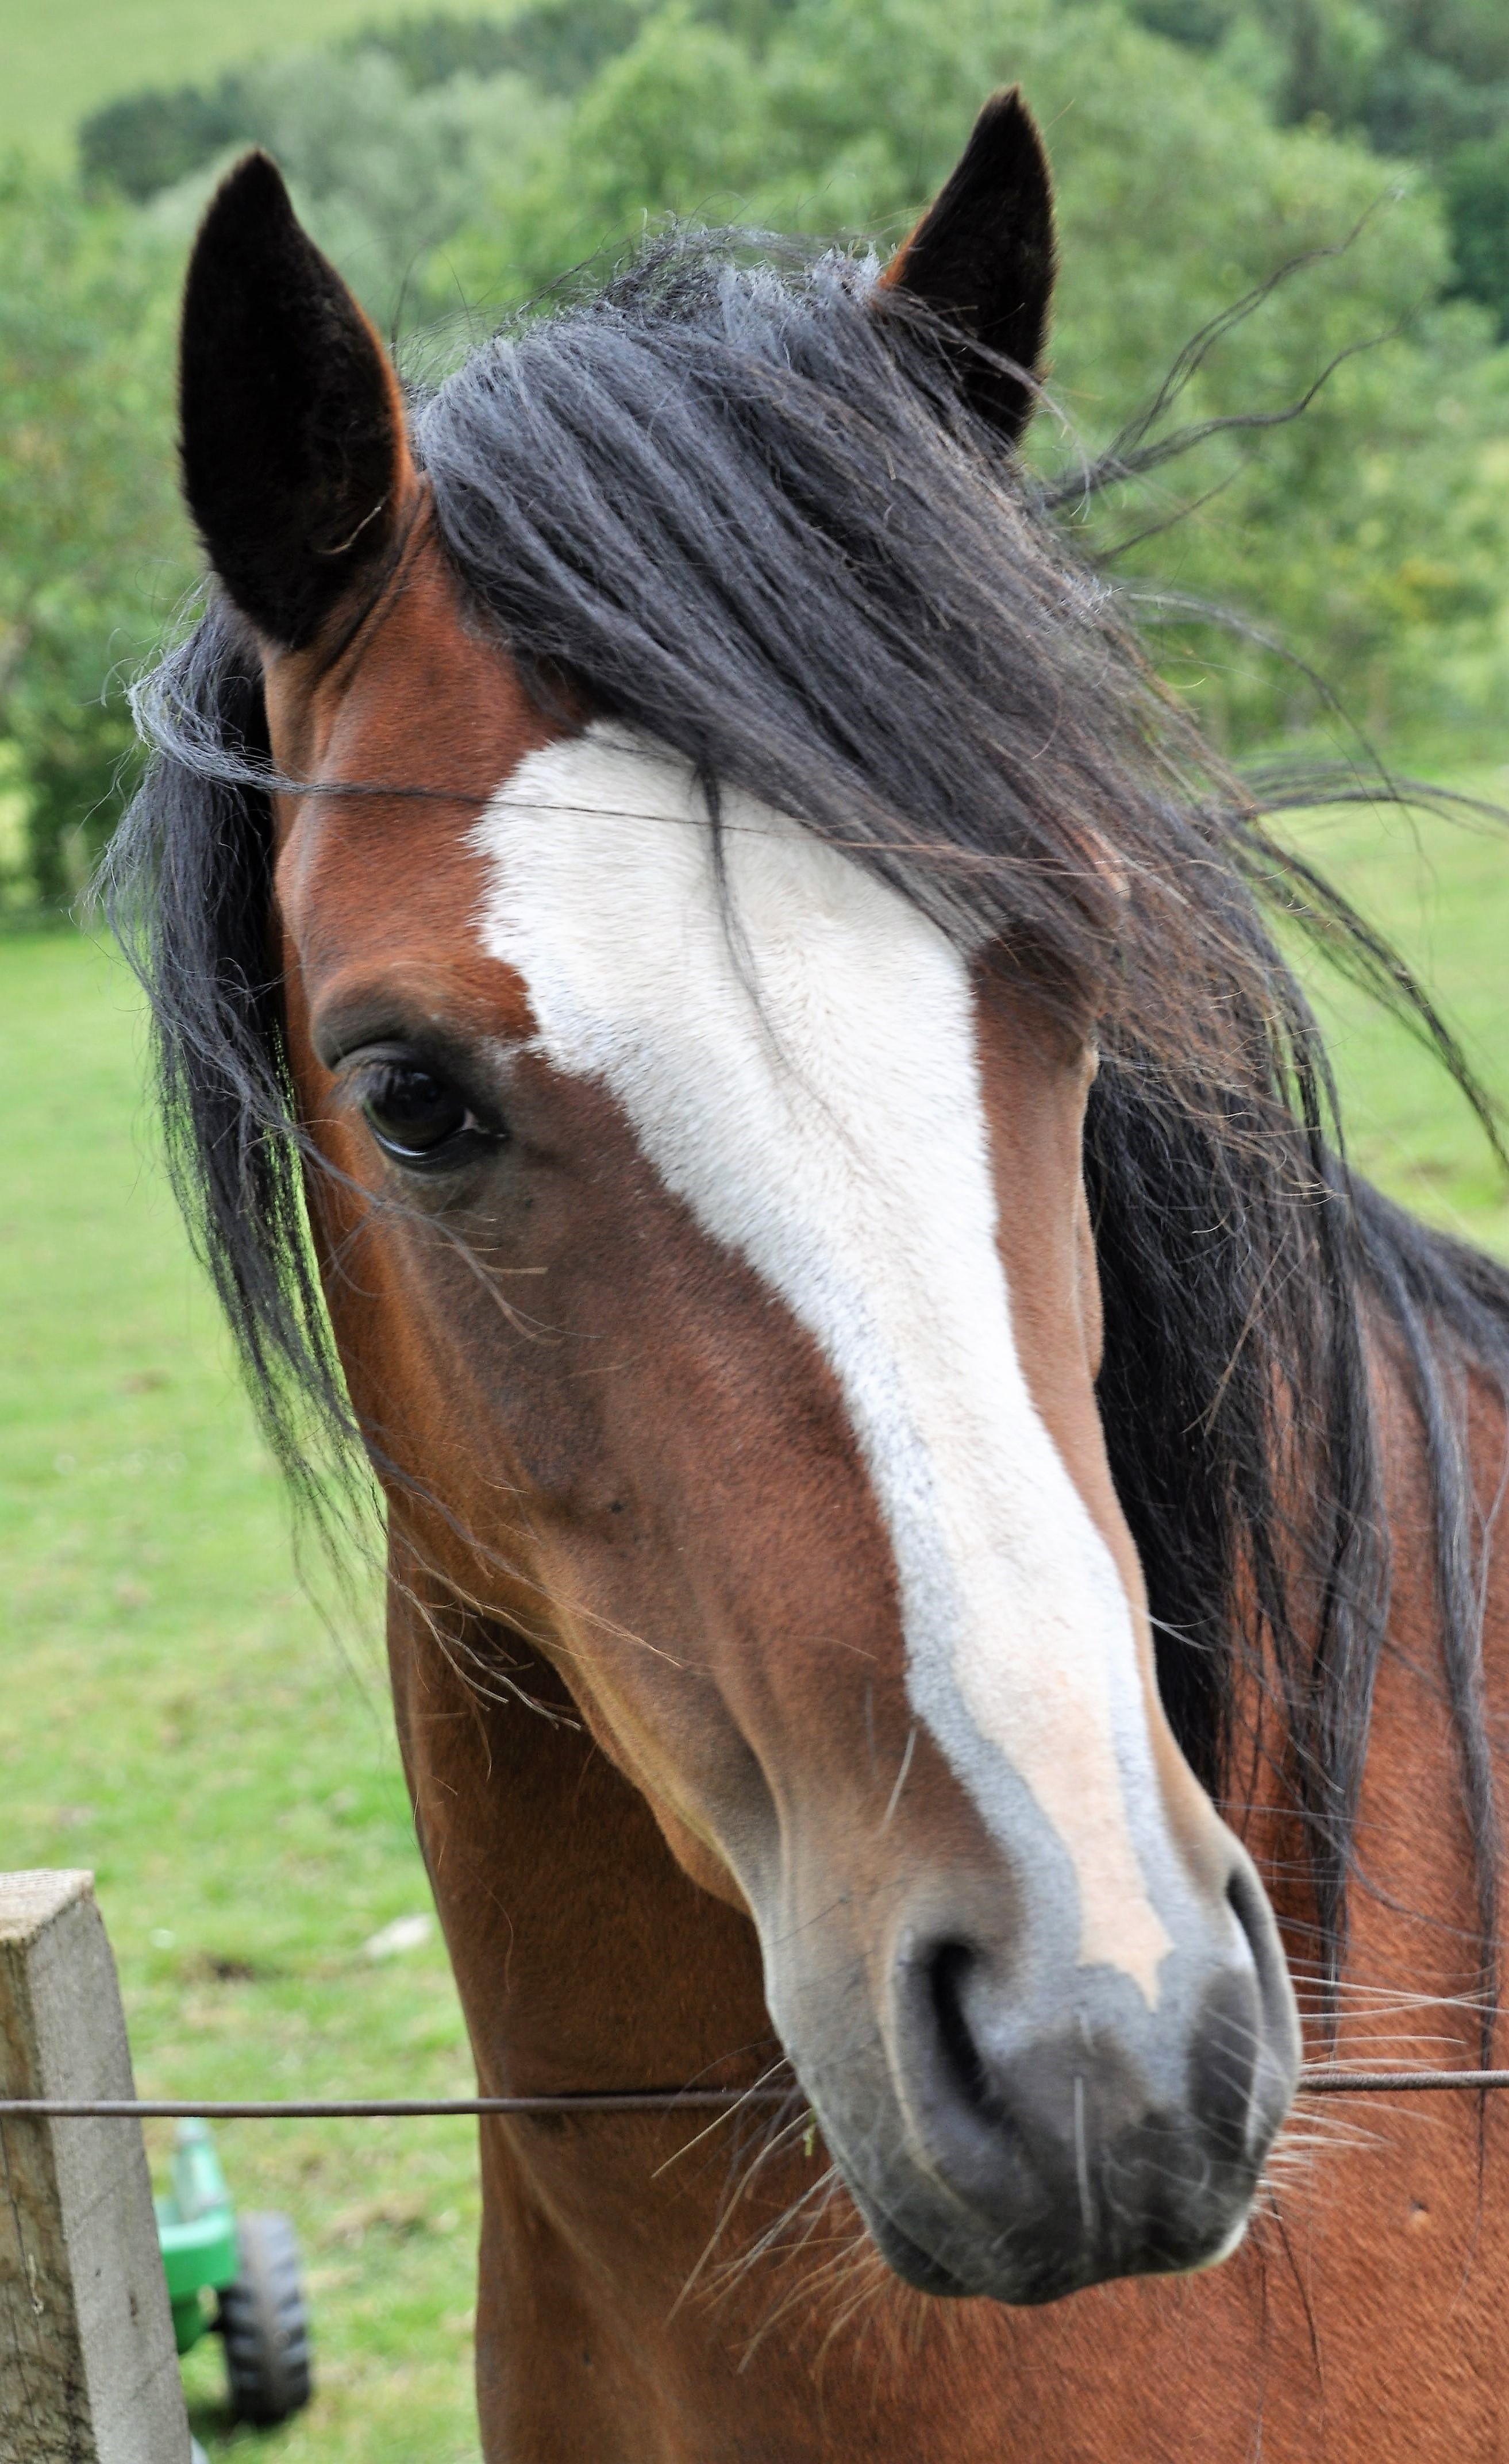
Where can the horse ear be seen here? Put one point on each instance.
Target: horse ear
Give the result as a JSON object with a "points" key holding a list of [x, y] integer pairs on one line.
{"points": [[983, 258], [294, 453]]}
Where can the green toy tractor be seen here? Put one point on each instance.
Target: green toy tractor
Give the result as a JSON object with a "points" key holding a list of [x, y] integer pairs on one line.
{"points": [[249, 2265]]}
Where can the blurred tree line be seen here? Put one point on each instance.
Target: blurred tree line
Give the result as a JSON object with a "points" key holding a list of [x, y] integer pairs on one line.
{"points": [[1427, 80], [457, 168]]}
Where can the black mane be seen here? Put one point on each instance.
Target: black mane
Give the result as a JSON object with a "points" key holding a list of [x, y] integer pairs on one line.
{"points": [[750, 510]]}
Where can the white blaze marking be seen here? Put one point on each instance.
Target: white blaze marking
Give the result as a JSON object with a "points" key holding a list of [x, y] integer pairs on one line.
{"points": [[833, 1135]]}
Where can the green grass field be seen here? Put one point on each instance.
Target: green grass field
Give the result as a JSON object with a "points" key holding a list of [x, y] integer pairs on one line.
{"points": [[60, 62], [175, 1715], [1440, 890]]}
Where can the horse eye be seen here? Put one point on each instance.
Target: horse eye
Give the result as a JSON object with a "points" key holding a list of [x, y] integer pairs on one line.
{"points": [[418, 1119]]}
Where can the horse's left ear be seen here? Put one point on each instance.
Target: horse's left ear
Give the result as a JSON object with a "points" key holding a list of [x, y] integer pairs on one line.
{"points": [[982, 257]]}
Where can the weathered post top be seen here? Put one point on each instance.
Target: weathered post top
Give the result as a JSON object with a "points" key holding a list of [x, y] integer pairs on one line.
{"points": [[88, 2369]]}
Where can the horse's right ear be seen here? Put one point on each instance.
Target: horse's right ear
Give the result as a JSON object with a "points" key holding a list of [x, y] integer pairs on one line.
{"points": [[294, 454]]}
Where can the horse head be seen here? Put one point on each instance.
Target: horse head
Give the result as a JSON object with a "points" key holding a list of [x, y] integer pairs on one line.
{"points": [[704, 1227]]}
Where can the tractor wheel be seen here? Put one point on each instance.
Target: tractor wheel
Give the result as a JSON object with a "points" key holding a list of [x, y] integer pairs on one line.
{"points": [[265, 2324]]}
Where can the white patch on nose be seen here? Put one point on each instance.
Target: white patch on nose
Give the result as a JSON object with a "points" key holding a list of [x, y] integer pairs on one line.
{"points": [[808, 1083]]}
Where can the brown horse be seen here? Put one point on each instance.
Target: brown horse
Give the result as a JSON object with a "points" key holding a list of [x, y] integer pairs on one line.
{"points": [[889, 1404]]}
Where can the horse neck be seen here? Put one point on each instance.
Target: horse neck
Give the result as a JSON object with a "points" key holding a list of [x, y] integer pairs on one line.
{"points": [[584, 1957]]}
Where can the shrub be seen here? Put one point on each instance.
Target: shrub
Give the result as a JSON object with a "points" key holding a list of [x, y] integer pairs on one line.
{"points": [[95, 550], [1475, 181]]}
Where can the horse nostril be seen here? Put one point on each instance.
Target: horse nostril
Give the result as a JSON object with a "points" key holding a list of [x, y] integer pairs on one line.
{"points": [[1249, 1909], [1267, 2017], [948, 1972], [1222, 2063], [1227, 2038]]}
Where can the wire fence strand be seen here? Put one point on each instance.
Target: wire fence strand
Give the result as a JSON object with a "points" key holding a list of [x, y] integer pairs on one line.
{"points": [[1318, 2080], [400, 2108]]}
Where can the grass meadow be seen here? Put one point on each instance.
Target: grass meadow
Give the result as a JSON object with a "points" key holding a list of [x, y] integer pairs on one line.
{"points": [[1440, 890], [176, 1715]]}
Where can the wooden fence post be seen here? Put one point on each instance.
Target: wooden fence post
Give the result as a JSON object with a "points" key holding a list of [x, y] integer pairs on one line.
{"points": [[88, 2371]]}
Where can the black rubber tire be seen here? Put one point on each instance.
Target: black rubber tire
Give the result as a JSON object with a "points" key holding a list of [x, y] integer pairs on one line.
{"points": [[265, 2325]]}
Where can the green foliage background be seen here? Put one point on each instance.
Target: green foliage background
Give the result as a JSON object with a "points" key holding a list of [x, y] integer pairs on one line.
{"points": [[457, 168]]}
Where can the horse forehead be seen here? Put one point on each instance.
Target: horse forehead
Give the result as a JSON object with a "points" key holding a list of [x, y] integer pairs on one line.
{"points": [[759, 940], [677, 961], [754, 982]]}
